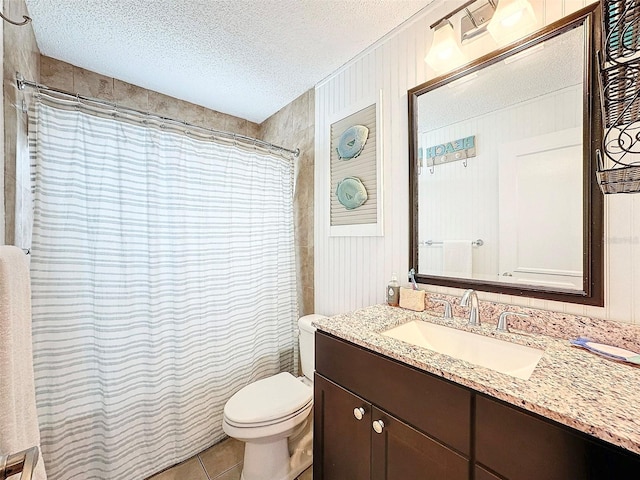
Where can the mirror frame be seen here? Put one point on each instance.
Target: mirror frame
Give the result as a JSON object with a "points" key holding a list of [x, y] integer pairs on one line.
{"points": [[592, 292]]}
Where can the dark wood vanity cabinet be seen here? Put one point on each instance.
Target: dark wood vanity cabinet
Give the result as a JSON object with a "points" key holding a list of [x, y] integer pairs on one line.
{"points": [[434, 429], [410, 426], [400, 452], [345, 440], [348, 446], [518, 445]]}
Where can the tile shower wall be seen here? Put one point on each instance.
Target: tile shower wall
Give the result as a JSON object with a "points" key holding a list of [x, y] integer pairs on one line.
{"points": [[351, 272], [293, 127], [20, 54], [2, 219], [64, 76]]}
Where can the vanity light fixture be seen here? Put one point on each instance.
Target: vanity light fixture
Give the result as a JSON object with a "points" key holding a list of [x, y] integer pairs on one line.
{"points": [[444, 54], [512, 19], [473, 23]]}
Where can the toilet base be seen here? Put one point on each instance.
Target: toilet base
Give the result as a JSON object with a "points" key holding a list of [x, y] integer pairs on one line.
{"points": [[282, 459], [266, 461], [293, 474], [294, 471]]}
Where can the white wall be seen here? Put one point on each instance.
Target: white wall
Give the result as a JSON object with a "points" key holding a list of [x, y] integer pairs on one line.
{"points": [[351, 272]]}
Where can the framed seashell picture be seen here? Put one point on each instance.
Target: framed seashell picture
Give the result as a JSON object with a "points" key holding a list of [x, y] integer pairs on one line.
{"points": [[356, 171]]}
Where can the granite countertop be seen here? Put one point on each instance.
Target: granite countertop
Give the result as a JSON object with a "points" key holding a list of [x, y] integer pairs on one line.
{"points": [[570, 385]]}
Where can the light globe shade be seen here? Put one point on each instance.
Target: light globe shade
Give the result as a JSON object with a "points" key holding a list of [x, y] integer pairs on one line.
{"points": [[444, 54], [512, 19]]}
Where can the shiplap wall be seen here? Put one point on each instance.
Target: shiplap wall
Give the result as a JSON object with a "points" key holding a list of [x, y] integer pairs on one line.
{"points": [[352, 272]]}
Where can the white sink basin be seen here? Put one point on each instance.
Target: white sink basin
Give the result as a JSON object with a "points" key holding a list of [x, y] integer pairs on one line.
{"points": [[504, 357]]}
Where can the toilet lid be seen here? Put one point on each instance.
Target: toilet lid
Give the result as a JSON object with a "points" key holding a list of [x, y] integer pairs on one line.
{"points": [[268, 399]]}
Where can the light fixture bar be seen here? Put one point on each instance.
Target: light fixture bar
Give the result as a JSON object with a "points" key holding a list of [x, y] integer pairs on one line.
{"points": [[474, 23], [451, 14]]}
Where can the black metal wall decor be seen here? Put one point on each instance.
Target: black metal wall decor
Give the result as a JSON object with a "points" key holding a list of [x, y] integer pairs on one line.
{"points": [[619, 64]]}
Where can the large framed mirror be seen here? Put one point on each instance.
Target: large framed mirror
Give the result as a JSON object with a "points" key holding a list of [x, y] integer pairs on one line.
{"points": [[502, 169]]}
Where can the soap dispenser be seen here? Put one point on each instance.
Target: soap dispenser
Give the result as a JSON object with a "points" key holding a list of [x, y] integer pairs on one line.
{"points": [[393, 291]]}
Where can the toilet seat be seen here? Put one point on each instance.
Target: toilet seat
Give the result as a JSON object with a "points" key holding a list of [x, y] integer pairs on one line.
{"points": [[274, 421], [268, 401]]}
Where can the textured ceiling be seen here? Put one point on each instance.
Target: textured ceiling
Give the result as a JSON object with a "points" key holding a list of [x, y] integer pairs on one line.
{"points": [[247, 58]]}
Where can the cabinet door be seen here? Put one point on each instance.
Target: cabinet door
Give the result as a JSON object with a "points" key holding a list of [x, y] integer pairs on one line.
{"points": [[399, 452], [521, 446], [482, 474], [341, 442]]}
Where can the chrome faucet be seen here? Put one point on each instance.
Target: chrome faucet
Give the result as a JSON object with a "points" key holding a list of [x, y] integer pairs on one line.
{"points": [[412, 277], [447, 307], [474, 313], [503, 326]]}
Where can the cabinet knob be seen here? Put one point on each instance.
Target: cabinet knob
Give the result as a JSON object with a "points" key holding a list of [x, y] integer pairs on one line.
{"points": [[378, 426], [358, 413]]}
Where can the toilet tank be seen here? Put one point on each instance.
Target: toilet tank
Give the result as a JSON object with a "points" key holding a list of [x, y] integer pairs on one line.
{"points": [[307, 345]]}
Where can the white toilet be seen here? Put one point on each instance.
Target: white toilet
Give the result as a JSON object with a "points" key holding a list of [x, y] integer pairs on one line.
{"points": [[264, 414]]}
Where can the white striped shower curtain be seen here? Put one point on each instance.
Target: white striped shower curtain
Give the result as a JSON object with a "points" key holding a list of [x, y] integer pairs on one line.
{"points": [[163, 281]]}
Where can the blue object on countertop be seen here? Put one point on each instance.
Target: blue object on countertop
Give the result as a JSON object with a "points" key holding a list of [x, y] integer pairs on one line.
{"points": [[608, 351]]}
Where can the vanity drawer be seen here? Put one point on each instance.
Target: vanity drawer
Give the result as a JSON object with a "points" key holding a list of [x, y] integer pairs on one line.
{"points": [[434, 406]]}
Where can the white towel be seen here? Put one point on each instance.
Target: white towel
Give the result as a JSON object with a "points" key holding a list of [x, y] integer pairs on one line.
{"points": [[457, 260], [18, 417]]}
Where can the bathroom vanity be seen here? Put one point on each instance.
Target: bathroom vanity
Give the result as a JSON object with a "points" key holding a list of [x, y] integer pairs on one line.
{"points": [[385, 409]]}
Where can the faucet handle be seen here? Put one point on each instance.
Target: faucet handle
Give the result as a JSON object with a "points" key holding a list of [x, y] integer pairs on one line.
{"points": [[464, 300], [447, 307], [470, 299], [503, 326]]}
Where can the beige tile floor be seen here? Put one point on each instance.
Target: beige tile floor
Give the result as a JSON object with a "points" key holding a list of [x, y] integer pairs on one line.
{"points": [[223, 461]]}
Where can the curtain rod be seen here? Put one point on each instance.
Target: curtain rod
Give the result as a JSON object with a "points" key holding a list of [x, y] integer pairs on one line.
{"points": [[22, 83]]}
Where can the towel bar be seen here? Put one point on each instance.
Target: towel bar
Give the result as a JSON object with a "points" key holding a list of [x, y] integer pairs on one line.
{"points": [[24, 462], [475, 243]]}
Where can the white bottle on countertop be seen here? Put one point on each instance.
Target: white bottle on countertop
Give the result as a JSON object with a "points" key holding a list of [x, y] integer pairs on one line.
{"points": [[393, 291]]}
